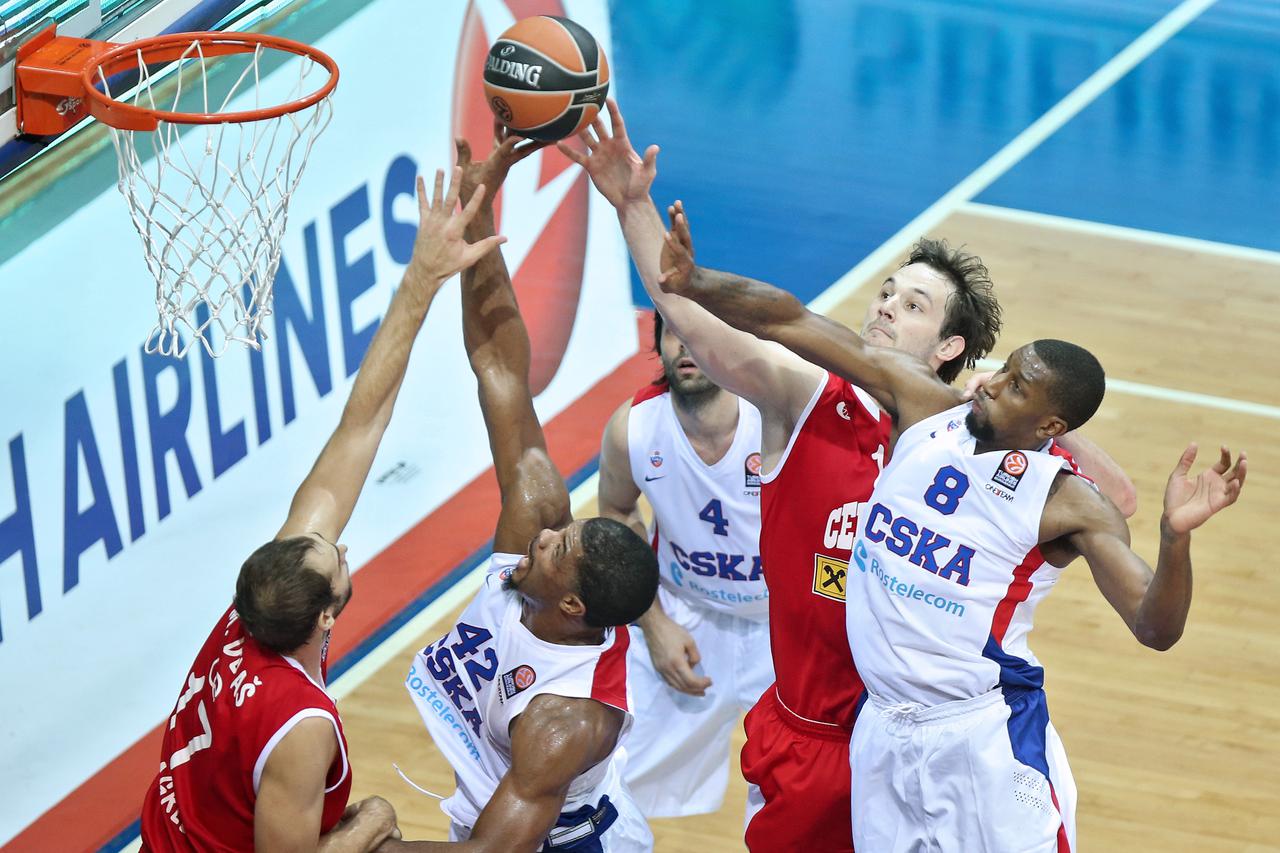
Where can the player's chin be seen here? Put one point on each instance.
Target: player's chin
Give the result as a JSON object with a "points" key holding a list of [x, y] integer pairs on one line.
{"points": [[518, 571], [978, 425], [692, 383]]}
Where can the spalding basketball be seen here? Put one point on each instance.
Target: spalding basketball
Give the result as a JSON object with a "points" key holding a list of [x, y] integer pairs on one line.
{"points": [[546, 78]]}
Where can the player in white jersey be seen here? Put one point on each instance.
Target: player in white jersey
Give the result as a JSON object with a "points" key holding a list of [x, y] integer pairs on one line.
{"points": [[527, 694], [954, 749], [693, 450]]}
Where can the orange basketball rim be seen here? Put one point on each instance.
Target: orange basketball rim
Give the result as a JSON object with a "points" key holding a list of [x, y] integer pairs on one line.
{"points": [[56, 79]]}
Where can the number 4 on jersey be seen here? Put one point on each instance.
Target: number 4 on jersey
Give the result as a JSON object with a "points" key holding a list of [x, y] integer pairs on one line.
{"points": [[713, 514]]}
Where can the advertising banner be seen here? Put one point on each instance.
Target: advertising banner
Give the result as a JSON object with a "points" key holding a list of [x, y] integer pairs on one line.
{"points": [[132, 486]]}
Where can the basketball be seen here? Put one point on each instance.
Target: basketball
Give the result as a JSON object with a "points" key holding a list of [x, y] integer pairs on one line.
{"points": [[546, 78]]}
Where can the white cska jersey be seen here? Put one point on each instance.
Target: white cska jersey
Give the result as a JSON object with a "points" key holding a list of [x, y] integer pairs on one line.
{"points": [[707, 517], [471, 684], [948, 567]]}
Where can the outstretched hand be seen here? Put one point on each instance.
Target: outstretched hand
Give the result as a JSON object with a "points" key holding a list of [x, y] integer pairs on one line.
{"points": [[676, 262], [439, 250], [615, 169], [1188, 503], [508, 149]]}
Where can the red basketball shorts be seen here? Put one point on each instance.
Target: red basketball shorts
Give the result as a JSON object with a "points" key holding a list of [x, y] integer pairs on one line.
{"points": [[797, 771]]}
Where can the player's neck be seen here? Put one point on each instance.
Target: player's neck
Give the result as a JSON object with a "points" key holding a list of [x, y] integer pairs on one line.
{"points": [[709, 422], [308, 657], [551, 627]]}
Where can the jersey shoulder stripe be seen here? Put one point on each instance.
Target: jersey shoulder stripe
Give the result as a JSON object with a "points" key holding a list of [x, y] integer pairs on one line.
{"points": [[650, 392], [609, 683]]}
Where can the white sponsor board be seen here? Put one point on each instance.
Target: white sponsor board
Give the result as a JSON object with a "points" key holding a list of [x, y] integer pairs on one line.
{"points": [[132, 487]]}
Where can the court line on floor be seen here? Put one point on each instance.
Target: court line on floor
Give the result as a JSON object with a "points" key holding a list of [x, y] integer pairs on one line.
{"points": [[1121, 232], [1017, 149]]}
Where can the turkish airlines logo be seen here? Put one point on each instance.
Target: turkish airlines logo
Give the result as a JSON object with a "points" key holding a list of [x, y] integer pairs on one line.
{"points": [[542, 209]]}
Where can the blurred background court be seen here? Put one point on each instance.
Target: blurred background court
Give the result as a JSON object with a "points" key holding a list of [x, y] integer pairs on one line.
{"points": [[1117, 165]]}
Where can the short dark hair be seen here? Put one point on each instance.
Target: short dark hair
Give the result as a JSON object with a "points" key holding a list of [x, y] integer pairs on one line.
{"points": [[1078, 383], [279, 597], [617, 574], [973, 312]]}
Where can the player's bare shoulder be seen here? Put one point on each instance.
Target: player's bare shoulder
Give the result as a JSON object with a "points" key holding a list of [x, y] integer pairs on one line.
{"points": [[1074, 505], [571, 734], [615, 431]]}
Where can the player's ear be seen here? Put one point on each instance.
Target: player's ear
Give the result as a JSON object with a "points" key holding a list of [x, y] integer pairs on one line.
{"points": [[572, 606], [949, 348], [1053, 427], [327, 617]]}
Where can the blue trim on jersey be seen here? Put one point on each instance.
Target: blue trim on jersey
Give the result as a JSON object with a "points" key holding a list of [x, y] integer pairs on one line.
{"points": [[1028, 724], [1014, 671], [857, 709]]}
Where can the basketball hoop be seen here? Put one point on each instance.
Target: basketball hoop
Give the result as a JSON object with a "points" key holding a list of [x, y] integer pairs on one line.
{"points": [[208, 186]]}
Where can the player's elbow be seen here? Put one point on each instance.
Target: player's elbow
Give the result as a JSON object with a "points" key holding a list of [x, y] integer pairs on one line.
{"points": [[1158, 637]]}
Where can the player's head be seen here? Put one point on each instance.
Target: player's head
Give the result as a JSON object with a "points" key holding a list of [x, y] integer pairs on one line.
{"points": [[597, 571], [291, 590], [1045, 389], [938, 306], [682, 374]]}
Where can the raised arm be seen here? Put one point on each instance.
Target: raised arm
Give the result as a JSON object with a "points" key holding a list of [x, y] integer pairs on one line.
{"points": [[1153, 604], [900, 382], [533, 492], [778, 383], [324, 502], [553, 742]]}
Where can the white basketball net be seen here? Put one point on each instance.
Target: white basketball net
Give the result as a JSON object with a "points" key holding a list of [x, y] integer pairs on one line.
{"points": [[211, 201]]}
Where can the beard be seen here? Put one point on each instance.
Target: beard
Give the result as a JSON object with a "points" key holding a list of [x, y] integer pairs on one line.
{"points": [[981, 430], [691, 392]]}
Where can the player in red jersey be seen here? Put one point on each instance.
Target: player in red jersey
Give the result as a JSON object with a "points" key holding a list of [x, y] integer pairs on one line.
{"points": [[254, 756], [824, 442]]}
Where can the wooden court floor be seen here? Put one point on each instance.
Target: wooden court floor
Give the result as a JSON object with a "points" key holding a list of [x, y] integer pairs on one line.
{"points": [[1171, 752]]}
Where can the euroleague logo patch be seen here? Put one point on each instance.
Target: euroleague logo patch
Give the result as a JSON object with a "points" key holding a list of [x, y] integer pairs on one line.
{"points": [[518, 679], [1011, 469], [752, 472]]}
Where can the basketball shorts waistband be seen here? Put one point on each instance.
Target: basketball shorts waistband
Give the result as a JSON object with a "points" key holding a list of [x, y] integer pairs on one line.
{"points": [[921, 714], [804, 725]]}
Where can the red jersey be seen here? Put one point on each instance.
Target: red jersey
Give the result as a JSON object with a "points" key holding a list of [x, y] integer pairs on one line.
{"points": [[239, 701], [809, 519]]}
